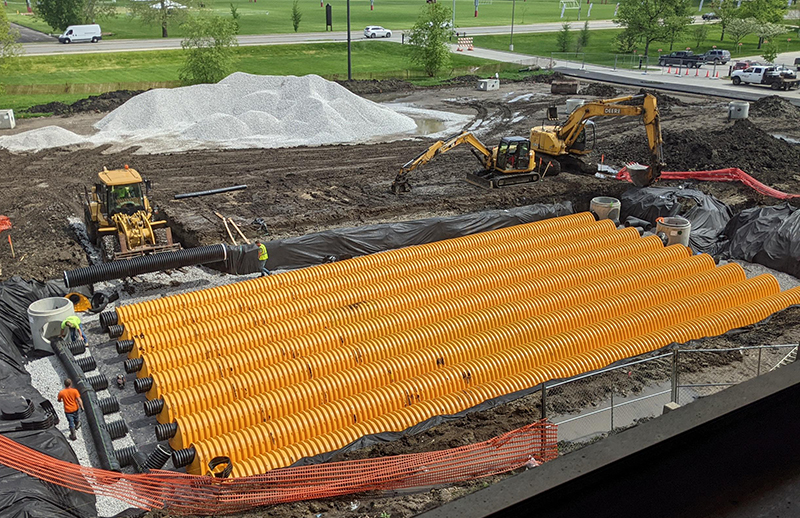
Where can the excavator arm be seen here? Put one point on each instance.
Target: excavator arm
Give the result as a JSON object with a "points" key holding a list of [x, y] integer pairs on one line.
{"points": [[483, 153], [648, 110]]}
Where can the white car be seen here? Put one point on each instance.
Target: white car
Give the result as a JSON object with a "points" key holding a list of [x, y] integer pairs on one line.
{"points": [[376, 31]]}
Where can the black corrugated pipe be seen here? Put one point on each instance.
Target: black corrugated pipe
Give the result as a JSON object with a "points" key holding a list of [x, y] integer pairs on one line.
{"points": [[145, 264], [158, 458], [210, 191], [108, 318], [184, 457], [94, 414], [153, 406]]}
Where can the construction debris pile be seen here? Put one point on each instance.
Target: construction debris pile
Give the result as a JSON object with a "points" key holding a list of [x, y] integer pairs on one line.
{"points": [[271, 370]]}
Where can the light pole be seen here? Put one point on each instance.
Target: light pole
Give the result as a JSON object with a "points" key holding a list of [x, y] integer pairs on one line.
{"points": [[349, 62], [511, 42]]}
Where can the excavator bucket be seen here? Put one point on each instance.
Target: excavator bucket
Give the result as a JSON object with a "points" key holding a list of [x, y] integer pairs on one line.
{"points": [[642, 175]]}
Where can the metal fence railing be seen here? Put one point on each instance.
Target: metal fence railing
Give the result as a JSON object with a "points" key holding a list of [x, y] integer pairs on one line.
{"points": [[591, 405]]}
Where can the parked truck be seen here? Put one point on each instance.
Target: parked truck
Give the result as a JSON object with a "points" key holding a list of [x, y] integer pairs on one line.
{"points": [[682, 58], [777, 77]]}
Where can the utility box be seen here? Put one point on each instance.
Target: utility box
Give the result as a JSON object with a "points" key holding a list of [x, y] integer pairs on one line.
{"points": [[7, 119], [488, 84]]}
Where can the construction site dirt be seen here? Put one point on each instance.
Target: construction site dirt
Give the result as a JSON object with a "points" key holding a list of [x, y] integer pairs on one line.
{"points": [[305, 189]]}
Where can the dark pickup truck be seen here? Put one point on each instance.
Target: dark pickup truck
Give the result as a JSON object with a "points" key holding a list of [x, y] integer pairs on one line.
{"points": [[682, 58]]}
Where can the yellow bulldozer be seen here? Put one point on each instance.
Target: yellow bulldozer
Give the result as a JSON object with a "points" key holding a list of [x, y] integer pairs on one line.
{"points": [[120, 219], [550, 148]]}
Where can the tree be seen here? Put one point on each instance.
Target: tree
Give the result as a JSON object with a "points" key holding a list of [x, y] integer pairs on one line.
{"points": [[9, 48], [700, 33], [768, 31], [583, 36], [165, 13], [563, 37], [675, 24], [651, 20], [738, 28], [95, 10], [208, 47], [296, 14], [60, 14], [770, 51], [428, 38], [765, 12], [726, 10], [235, 16]]}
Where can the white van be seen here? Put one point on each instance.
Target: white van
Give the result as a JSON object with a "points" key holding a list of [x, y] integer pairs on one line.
{"points": [[79, 33]]}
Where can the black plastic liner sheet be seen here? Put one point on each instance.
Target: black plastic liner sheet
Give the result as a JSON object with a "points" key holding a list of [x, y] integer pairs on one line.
{"points": [[22, 496], [766, 235], [335, 245], [707, 214]]}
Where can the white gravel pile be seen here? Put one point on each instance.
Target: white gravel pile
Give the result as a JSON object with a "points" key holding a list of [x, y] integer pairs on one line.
{"points": [[41, 138], [245, 110]]}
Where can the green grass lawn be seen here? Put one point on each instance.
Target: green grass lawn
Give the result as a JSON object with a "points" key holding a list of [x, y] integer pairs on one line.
{"points": [[601, 49], [273, 16], [40, 79]]}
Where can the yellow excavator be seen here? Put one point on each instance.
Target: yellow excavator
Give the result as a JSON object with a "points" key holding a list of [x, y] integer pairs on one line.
{"points": [[120, 219], [558, 146]]}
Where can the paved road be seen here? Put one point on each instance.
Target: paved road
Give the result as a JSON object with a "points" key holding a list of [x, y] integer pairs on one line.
{"points": [[38, 49], [27, 35], [654, 77]]}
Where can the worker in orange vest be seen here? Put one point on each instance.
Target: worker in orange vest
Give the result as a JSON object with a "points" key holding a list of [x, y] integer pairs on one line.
{"points": [[72, 403]]}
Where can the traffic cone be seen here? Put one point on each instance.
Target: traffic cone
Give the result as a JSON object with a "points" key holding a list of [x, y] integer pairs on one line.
{"points": [[697, 72], [669, 70], [677, 71], [717, 75], [687, 71], [706, 74]]}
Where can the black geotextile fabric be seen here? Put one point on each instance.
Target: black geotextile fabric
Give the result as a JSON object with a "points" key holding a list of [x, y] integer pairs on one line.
{"points": [[239, 260], [707, 214], [336, 245], [22, 496], [766, 235]]}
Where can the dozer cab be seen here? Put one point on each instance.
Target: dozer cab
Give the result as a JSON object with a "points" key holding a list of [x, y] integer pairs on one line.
{"points": [[120, 219]]}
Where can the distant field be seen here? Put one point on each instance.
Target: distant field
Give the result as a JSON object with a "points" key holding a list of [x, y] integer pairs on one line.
{"points": [[273, 16], [40, 79]]}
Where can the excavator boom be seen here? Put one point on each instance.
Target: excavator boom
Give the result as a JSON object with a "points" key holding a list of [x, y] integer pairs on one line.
{"points": [[575, 125], [400, 183]]}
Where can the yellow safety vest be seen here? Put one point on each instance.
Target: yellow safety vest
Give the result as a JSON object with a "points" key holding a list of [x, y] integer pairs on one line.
{"points": [[262, 255]]}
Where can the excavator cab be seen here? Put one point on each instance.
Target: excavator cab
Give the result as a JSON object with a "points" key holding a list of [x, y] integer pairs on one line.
{"points": [[513, 154]]}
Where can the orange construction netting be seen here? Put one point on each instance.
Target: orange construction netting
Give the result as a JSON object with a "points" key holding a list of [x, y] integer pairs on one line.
{"points": [[196, 494]]}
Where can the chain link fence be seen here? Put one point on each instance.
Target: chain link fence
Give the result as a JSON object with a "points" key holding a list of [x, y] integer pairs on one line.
{"points": [[590, 406]]}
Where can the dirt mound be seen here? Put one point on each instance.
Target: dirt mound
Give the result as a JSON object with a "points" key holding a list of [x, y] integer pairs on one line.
{"points": [[602, 90], [375, 86], [463, 80], [96, 103], [544, 78], [775, 106], [743, 145]]}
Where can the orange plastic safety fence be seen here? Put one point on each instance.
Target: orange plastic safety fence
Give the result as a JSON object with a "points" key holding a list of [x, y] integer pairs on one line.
{"points": [[195, 494]]}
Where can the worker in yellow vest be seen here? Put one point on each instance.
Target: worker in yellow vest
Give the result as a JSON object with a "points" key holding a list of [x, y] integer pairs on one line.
{"points": [[73, 325], [262, 258]]}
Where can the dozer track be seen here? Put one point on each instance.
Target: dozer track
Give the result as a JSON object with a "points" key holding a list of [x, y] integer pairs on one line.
{"points": [[487, 180]]}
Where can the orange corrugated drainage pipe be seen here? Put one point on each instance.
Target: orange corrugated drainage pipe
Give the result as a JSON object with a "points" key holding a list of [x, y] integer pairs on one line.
{"points": [[408, 416], [258, 286], [495, 364], [557, 264], [327, 299], [409, 362], [415, 265], [458, 296], [506, 306], [228, 342]]}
